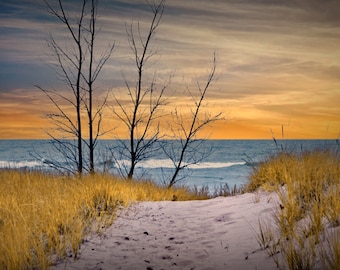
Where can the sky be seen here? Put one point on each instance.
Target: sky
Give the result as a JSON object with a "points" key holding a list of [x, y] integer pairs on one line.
{"points": [[278, 64]]}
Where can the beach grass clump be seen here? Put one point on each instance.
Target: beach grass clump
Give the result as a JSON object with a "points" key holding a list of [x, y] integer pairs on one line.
{"points": [[308, 187], [222, 190], [46, 217]]}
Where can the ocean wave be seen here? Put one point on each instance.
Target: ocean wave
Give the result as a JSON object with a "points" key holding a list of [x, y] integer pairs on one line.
{"points": [[167, 163], [145, 164], [5, 164], [215, 165]]}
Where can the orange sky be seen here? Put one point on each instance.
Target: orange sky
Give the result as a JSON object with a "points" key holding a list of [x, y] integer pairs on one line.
{"points": [[278, 63]]}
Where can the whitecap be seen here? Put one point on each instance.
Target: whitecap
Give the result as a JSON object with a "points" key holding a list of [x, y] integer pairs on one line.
{"points": [[167, 163], [5, 164]]}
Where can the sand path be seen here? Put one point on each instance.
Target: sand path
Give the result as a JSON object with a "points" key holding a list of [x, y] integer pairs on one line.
{"points": [[211, 234]]}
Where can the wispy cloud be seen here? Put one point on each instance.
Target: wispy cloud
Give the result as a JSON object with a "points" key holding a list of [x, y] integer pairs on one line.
{"points": [[276, 59]]}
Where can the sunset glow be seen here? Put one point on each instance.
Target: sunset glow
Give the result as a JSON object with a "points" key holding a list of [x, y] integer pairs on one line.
{"points": [[278, 64]]}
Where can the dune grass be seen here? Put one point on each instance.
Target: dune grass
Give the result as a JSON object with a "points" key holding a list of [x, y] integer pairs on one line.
{"points": [[46, 217], [308, 217]]}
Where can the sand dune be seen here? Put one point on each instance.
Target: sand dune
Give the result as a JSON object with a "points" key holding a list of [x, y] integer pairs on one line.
{"points": [[212, 234]]}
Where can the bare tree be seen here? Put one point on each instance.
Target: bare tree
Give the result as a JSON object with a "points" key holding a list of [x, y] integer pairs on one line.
{"points": [[94, 70], [79, 70], [146, 99], [186, 149]]}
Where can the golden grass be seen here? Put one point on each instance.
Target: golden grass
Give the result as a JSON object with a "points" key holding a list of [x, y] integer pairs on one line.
{"points": [[308, 186], [44, 216]]}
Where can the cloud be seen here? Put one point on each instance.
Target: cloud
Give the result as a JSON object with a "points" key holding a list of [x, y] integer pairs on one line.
{"points": [[274, 58]]}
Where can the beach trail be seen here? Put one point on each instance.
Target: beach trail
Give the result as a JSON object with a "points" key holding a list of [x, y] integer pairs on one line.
{"points": [[210, 234]]}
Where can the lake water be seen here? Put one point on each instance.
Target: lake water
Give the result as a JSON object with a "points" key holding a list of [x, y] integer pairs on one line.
{"points": [[227, 163]]}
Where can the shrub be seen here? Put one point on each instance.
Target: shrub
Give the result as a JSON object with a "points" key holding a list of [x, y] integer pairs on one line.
{"points": [[308, 186], [44, 215]]}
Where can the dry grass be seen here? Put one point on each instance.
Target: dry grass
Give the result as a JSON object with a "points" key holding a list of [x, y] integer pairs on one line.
{"points": [[44, 216], [219, 190], [308, 185]]}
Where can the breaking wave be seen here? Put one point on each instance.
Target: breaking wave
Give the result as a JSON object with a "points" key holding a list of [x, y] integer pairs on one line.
{"points": [[167, 163], [5, 164]]}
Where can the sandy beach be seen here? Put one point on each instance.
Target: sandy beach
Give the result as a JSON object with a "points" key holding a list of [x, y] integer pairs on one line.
{"points": [[211, 234]]}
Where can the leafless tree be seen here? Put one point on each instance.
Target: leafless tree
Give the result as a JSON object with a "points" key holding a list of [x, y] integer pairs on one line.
{"points": [[145, 97], [185, 149], [94, 69], [79, 69]]}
